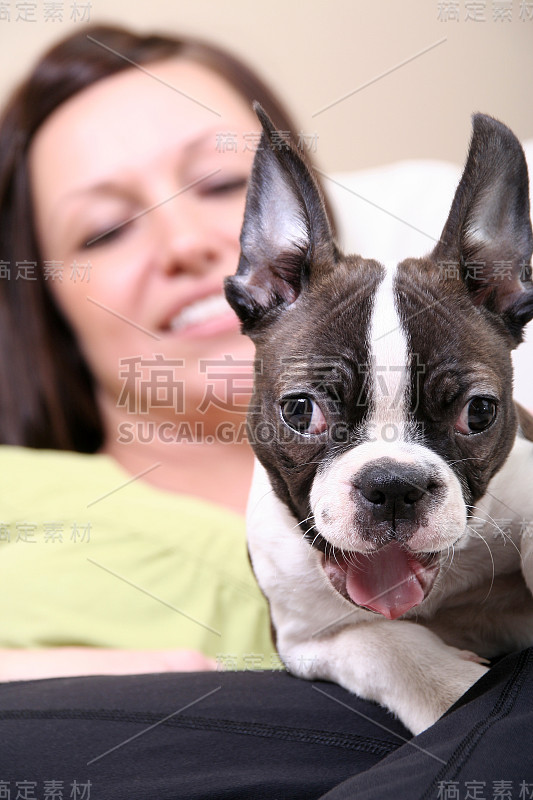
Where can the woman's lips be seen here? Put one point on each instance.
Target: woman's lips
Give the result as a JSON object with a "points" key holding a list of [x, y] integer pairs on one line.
{"points": [[207, 315]]}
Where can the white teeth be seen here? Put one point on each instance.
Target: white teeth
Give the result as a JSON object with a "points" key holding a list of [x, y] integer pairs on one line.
{"points": [[200, 311]]}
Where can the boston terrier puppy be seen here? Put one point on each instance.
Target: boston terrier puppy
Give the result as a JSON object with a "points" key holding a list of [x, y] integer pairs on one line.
{"points": [[390, 521]]}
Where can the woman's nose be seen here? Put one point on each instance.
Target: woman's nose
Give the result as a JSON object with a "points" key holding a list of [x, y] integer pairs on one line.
{"points": [[187, 240]]}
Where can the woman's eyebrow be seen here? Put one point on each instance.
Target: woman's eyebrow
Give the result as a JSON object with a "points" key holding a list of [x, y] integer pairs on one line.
{"points": [[200, 141], [105, 189], [112, 187]]}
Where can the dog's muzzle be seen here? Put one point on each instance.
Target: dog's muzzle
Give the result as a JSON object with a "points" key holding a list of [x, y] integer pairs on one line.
{"points": [[383, 523], [392, 501]]}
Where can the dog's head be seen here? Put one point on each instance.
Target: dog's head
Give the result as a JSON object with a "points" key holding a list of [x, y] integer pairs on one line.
{"points": [[383, 393]]}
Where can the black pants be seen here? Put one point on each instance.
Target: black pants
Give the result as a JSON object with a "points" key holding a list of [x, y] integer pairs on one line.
{"points": [[259, 735]]}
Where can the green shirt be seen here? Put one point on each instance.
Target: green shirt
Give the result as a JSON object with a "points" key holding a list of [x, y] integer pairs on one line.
{"points": [[90, 556]]}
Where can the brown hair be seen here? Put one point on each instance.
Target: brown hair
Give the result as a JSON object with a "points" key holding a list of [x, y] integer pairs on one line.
{"points": [[47, 396]]}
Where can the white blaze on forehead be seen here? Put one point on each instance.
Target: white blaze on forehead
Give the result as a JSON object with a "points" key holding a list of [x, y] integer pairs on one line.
{"points": [[389, 361]]}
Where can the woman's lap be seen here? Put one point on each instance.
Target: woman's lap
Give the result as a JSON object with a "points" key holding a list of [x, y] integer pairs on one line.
{"points": [[258, 735]]}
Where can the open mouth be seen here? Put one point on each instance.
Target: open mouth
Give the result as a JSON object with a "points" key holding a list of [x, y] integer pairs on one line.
{"points": [[201, 311], [390, 581]]}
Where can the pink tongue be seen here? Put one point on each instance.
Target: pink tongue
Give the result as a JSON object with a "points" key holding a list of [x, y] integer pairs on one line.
{"points": [[384, 582]]}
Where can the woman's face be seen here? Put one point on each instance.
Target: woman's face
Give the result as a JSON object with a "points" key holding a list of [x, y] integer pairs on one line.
{"points": [[137, 178]]}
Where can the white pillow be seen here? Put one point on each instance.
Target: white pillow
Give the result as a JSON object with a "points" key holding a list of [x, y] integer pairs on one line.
{"points": [[399, 210]]}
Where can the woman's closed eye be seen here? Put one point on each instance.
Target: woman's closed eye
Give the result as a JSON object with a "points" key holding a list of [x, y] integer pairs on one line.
{"points": [[224, 186], [104, 235]]}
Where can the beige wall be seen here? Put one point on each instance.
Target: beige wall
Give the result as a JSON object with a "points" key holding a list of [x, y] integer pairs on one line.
{"points": [[409, 79]]}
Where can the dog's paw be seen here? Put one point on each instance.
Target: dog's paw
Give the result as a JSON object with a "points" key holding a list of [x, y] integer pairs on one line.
{"points": [[468, 655], [446, 690]]}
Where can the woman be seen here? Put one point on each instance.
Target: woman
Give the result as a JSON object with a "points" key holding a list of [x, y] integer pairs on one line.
{"points": [[124, 162]]}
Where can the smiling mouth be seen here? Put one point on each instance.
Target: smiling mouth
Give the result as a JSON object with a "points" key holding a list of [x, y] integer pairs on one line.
{"points": [[200, 311], [389, 581]]}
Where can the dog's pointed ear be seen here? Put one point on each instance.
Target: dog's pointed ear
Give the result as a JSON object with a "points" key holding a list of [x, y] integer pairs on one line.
{"points": [[285, 231], [488, 232]]}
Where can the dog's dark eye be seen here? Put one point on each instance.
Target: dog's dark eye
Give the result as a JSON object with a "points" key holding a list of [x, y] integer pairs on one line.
{"points": [[476, 416], [303, 415]]}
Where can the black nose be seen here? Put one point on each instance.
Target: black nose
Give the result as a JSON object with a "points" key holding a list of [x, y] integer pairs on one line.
{"points": [[393, 491]]}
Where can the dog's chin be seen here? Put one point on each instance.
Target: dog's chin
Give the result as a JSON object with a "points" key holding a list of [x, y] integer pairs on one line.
{"points": [[389, 581]]}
